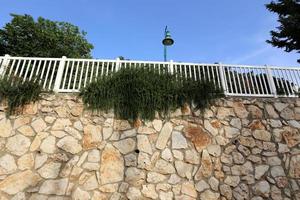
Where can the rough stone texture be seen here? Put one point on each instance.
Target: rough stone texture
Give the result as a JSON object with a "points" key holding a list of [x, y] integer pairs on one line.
{"points": [[69, 144], [18, 182], [57, 187], [112, 167], [238, 149], [178, 141], [7, 164], [164, 135], [18, 144]]}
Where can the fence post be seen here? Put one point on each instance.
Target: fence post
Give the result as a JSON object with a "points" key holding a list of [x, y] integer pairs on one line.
{"points": [[223, 78], [59, 74], [4, 64], [117, 64], [171, 66], [271, 81]]}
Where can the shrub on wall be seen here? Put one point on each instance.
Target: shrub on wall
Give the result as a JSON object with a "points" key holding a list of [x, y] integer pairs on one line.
{"points": [[139, 92], [16, 93]]}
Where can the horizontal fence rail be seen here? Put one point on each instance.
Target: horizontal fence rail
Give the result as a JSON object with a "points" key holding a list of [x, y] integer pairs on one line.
{"points": [[71, 75]]}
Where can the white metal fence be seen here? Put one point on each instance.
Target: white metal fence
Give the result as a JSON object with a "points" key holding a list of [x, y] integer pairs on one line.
{"points": [[70, 75]]}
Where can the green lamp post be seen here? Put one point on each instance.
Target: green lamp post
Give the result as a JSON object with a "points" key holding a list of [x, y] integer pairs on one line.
{"points": [[167, 41]]}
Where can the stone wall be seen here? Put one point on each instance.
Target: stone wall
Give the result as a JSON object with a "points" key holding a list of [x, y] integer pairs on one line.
{"points": [[238, 149]]}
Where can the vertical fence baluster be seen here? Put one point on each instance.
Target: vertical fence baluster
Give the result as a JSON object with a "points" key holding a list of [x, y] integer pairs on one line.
{"points": [[59, 75], [12, 67], [271, 81], [223, 78], [71, 74], [52, 75], [4, 65], [32, 70], [76, 74]]}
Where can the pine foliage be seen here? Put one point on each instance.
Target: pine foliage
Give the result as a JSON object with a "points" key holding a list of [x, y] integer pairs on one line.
{"points": [[16, 93], [287, 35], [139, 92]]}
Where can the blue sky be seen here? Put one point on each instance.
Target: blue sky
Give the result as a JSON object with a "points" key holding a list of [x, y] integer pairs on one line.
{"points": [[206, 31]]}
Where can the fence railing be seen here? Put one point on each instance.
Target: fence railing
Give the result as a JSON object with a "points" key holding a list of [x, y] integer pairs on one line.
{"points": [[71, 75]]}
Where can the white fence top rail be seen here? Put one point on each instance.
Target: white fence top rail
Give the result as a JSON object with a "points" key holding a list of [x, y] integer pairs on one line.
{"points": [[72, 74]]}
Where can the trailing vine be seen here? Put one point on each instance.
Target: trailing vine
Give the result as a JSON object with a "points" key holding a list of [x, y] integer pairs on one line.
{"points": [[139, 92], [16, 93]]}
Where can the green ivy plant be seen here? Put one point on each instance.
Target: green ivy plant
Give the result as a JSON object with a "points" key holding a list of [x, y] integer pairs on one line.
{"points": [[135, 93], [16, 93]]}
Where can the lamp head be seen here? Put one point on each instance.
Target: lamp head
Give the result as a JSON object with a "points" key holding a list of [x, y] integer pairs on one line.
{"points": [[168, 41]]}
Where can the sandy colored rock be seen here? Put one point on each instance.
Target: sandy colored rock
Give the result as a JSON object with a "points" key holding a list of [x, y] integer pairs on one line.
{"points": [[192, 156], [112, 167], [30, 109], [256, 124], [26, 130], [291, 137], [184, 169], [232, 180], [198, 136], [154, 177], [260, 171], [48, 145], [178, 140], [92, 137], [125, 146], [164, 135], [240, 110], [69, 144], [5, 128], [7, 164], [271, 111], [26, 161], [224, 113], [121, 125], [79, 194], [209, 195], [134, 193], [109, 188], [18, 144], [255, 112], [231, 132], [91, 183], [287, 114], [188, 188], [294, 170], [76, 110], [21, 121], [262, 135], [57, 187], [149, 191], [143, 144], [157, 124], [135, 176], [39, 125], [262, 188], [38, 140], [164, 167], [50, 170], [60, 124], [206, 167], [73, 132], [19, 182], [107, 131]]}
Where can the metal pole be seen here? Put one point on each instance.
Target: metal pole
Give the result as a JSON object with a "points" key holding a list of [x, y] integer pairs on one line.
{"points": [[165, 47], [165, 53]]}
